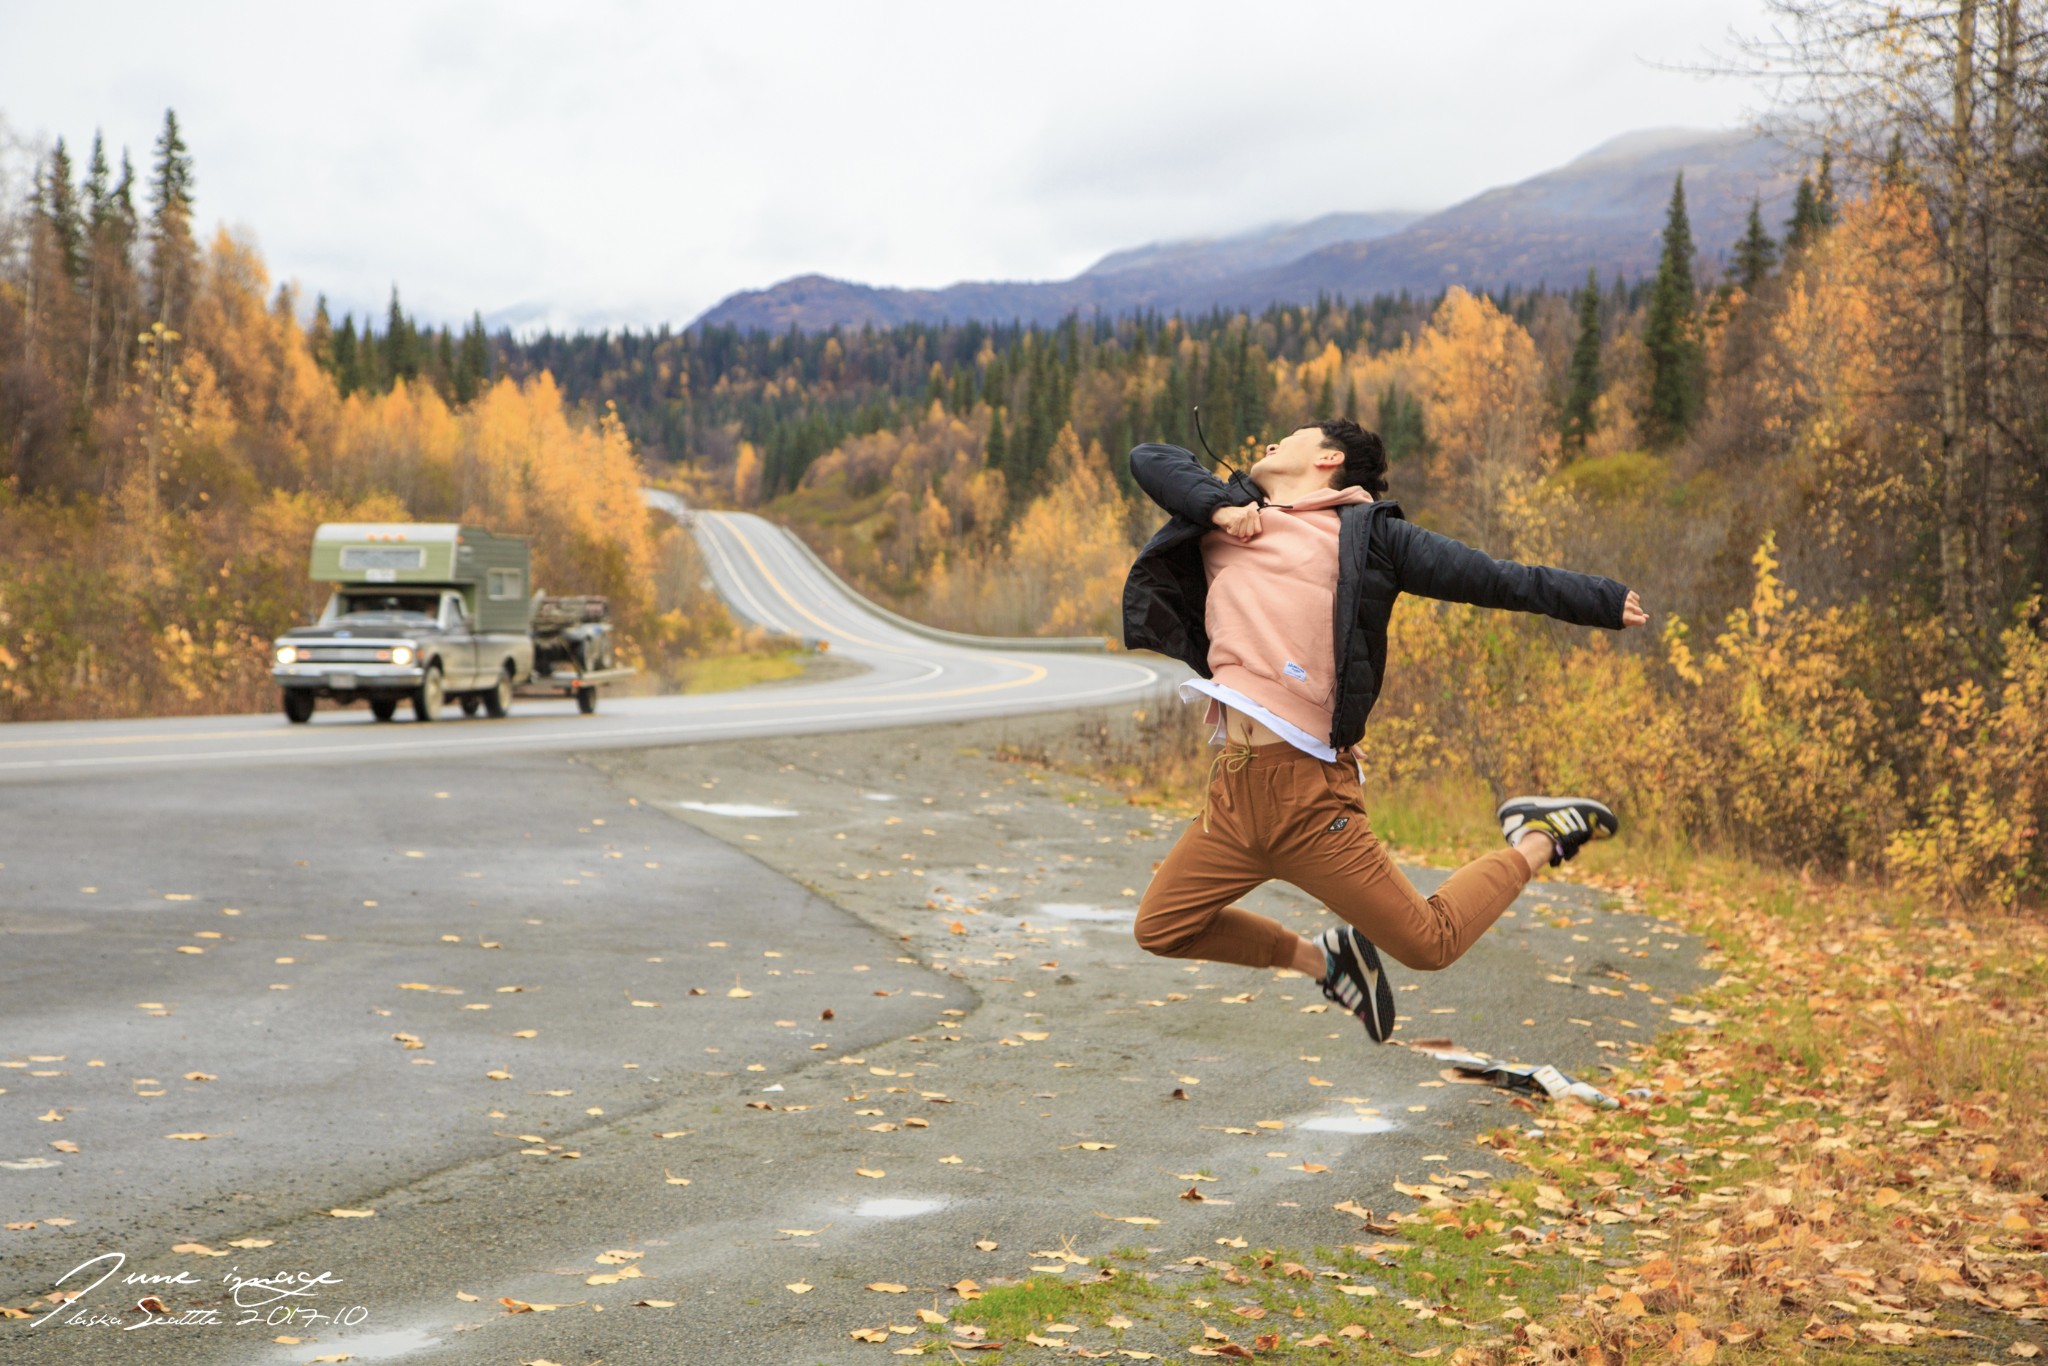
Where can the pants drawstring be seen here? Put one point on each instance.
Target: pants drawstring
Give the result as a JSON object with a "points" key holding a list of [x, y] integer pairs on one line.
{"points": [[1232, 761]]}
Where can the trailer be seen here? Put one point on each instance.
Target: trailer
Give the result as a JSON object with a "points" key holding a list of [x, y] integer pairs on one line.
{"points": [[571, 683]]}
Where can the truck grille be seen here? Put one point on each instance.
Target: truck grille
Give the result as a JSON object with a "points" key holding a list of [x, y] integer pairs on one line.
{"points": [[344, 654]]}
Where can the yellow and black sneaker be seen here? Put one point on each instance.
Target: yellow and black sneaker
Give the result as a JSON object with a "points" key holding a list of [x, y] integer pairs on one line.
{"points": [[1569, 821]]}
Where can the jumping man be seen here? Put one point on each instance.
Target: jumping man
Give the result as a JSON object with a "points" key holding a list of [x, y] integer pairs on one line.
{"points": [[1276, 587]]}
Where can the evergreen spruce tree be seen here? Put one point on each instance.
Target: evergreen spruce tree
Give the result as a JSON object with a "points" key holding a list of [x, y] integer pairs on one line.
{"points": [[1248, 373], [1327, 399], [1669, 333], [1584, 388], [401, 343], [123, 203], [1170, 406], [60, 212], [1351, 398], [345, 362], [998, 444], [173, 257], [1805, 219], [472, 362], [1401, 428], [1756, 253], [99, 193], [1824, 191], [372, 376], [320, 336]]}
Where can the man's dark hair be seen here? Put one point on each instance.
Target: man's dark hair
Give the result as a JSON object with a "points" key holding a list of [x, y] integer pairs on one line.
{"points": [[1365, 459]]}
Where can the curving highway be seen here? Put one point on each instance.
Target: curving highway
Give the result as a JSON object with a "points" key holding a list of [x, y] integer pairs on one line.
{"points": [[763, 573]]}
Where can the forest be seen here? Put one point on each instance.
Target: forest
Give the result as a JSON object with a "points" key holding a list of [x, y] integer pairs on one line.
{"points": [[1824, 471]]}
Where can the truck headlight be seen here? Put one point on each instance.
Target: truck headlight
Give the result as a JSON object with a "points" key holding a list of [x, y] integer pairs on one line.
{"points": [[402, 655], [287, 654]]}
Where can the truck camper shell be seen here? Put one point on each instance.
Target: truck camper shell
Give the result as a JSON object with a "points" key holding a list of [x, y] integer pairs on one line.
{"points": [[493, 573]]}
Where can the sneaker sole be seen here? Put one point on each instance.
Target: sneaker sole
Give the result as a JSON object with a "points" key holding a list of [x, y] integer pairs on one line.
{"points": [[1605, 824], [1380, 998]]}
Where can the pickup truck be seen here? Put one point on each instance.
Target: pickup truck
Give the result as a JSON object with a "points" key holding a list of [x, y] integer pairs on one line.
{"points": [[425, 612]]}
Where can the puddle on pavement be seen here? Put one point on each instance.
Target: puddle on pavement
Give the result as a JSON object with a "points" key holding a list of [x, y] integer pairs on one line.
{"points": [[378, 1346], [1080, 911], [743, 809], [897, 1208], [1348, 1124]]}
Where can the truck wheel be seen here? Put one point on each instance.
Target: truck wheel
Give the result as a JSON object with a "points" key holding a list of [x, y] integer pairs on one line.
{"points": [[383, 708], [298, 705], [498, 700], [586, 700], [470, 704], [427, 698]]}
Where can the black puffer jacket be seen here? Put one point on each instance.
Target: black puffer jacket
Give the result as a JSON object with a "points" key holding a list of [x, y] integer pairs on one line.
{"points": [[1380, 554]]}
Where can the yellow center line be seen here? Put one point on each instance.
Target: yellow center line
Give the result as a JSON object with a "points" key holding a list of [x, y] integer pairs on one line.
{"points": [[1032, 673]]}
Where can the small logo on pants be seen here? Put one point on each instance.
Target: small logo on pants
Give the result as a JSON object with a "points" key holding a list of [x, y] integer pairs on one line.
{"points": [[1339, 823]]}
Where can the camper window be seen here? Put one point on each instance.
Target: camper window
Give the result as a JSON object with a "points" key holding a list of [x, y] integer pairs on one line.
{"points": [[389, 604]]}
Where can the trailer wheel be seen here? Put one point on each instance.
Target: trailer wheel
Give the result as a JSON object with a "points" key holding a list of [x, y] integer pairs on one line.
{"points": [[298, 705], [586, 700], [427, 698], [498, 700], [383, 708]]}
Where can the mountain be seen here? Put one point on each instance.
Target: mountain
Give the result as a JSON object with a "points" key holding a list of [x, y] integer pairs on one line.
{"points": [[1604, 209]]}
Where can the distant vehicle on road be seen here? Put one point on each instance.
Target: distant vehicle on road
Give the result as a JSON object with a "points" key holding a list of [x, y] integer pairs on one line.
{"points": [[426, 612]]}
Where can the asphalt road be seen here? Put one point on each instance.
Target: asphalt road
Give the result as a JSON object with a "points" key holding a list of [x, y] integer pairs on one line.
{"points": [[763, 575]]}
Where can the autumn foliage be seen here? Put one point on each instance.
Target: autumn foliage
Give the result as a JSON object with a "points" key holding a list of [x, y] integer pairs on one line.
{"points": [[150, 572]]}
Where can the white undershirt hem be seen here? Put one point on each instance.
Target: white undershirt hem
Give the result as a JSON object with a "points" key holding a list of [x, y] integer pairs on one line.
{"points": [[1237, 701]]}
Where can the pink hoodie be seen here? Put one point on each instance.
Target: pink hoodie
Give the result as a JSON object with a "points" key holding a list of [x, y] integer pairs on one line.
{"points": [[1271, 600]]}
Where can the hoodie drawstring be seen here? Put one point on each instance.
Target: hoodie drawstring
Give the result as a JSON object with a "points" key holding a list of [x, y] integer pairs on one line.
{"points": [[1232, 761]]}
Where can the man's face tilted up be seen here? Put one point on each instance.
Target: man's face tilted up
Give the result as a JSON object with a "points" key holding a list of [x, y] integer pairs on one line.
{"points": [[1299, 462]]}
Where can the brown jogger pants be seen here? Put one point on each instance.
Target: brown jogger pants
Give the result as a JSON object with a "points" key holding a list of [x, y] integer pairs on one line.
{"points": [[1274, 811]]}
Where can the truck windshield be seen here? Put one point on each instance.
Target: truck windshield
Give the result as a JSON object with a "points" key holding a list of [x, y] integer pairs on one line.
{"points": [[425, 605]]}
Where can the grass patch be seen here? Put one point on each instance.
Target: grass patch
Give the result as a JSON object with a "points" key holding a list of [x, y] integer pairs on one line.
{"points": [[721, 673]]}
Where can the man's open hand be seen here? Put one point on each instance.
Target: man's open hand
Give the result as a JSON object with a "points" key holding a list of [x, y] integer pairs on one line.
{"points": [[1241, 522], [1632, 613]]}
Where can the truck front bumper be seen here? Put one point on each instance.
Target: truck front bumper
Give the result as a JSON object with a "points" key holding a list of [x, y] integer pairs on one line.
{"points": [[345, 682]]}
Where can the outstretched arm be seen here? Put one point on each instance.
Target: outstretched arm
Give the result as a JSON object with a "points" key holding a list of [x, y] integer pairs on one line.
{"points": [[1174, 479], [1436, 566]]}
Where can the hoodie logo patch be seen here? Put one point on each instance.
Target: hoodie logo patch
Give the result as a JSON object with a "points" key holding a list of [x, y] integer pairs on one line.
{"points": [[1339, 823], [1294, 670]]}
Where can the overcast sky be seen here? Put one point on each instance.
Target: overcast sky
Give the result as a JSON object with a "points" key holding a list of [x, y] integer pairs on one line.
{"points": [[611, 162]]}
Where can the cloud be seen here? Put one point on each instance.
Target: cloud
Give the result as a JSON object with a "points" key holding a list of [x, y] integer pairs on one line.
{"points": [[623, 162]]}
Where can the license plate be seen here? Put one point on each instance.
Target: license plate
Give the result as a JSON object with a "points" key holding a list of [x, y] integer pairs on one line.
{"points": [[339, 681]]}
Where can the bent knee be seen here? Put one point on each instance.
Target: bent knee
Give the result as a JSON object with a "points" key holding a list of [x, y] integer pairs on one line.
{"points": [[1421, 957], [1166, 936]]}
